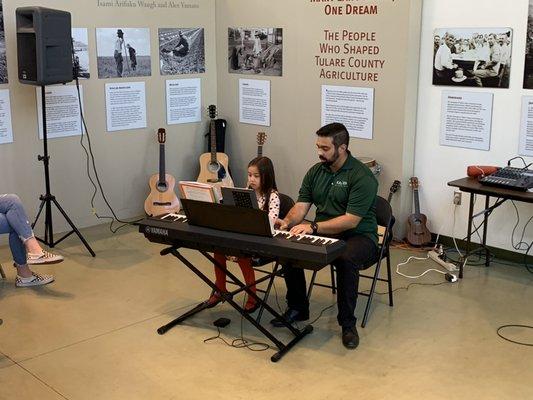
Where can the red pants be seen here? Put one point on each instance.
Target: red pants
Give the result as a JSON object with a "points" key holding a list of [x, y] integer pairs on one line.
{"points": [[247, 272]]}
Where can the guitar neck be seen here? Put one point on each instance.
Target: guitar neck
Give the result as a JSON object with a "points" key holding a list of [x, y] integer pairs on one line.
{"points": [[213, 142], [259, 150], [417, 201], [162, 171]]}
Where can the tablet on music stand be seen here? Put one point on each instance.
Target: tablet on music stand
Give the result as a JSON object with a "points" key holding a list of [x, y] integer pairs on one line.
{"points": [[240, 197]]}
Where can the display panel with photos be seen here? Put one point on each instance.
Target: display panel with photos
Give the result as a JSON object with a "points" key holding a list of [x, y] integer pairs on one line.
{"points": [[181, 51], [3, 60], [80, 44], [528, 69], [477, 57], [255, 51], [123, 52]]}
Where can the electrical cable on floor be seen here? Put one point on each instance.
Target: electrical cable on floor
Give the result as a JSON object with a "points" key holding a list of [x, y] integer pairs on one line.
{"points": [[90, 161], [420, 275], [519, 245], [498, 331], [241, 342], [322, 312], [406, 288], [427, 256]]}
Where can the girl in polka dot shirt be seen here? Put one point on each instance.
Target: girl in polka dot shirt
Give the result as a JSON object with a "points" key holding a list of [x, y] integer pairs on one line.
{"points": [[261, 178]]}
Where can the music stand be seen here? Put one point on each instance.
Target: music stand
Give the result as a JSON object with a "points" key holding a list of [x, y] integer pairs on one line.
{"points": [[239, 197], [47, 199]]}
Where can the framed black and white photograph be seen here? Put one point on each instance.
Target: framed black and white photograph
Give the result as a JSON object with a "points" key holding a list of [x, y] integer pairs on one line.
{"points": [[123, 52], [255, 51], [477, 57], [80, 43], [3, 60], [181, 51], [528, 70]]}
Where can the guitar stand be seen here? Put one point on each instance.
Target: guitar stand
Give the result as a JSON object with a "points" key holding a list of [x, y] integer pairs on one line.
{"points": [[228, 297]]}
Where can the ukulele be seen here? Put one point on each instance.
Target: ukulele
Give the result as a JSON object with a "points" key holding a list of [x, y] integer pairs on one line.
{"points": [[162, 198], [213, 165], [393, 189], [261, 139], [417, 232]]}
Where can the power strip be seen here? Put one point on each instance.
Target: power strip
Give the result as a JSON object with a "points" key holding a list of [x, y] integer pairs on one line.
{"points": [[435, 257]]}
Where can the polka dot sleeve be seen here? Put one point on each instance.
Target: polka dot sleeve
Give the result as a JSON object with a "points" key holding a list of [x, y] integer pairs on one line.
{"points": [[273, 206]]}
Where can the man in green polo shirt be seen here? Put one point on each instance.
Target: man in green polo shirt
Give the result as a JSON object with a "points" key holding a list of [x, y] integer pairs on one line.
{"points": [[344, 192]]}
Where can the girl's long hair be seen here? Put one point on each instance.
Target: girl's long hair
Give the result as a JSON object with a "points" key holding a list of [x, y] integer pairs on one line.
{"points": [[268, 178]]}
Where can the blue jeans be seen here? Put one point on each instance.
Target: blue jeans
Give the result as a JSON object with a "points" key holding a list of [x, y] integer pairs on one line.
{"points": [[13, 220]]}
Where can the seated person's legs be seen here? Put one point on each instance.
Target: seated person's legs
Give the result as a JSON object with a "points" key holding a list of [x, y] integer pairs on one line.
{"points": [[22, 242], [25, 277], [220, 279], [249, 278], [11, 207], [297, 302], [480, 74], [360, 253]]}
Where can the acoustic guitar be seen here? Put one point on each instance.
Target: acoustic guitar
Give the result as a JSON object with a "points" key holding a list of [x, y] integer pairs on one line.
{"points": [[162, 198], [417, 232], [213, 165], [393, 189], [261, 139]]}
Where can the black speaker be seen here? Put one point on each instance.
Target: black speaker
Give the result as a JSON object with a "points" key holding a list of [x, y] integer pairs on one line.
{"points": [[44, 46]]}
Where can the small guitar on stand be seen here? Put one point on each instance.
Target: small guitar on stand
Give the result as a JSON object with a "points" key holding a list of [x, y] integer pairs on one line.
{"points": [[417, 232], [213, 165], [261, 139], [393, 189], [162, 198]]}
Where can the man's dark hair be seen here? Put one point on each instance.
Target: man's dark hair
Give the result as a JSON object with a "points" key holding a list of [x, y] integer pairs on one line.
{"points": [[337, 132]]}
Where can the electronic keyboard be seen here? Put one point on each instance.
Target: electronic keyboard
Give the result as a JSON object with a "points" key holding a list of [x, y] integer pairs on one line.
{"points": [[304, 251]]}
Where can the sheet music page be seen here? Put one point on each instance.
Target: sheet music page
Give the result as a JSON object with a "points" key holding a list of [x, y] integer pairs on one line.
{"points": [[197, 191]]}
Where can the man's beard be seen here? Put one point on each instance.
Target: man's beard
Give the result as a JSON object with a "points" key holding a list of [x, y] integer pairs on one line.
{"points": [[329, 163]]}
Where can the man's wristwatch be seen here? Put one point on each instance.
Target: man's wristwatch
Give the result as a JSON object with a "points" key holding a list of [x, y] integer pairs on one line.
{"points": [[314, 227]]}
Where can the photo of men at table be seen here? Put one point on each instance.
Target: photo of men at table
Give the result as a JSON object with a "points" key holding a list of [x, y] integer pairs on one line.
{"points": [[528, 70], [472, 57]]}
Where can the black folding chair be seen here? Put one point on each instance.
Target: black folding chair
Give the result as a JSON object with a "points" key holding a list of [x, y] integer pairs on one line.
{"points": [[385, 221]]}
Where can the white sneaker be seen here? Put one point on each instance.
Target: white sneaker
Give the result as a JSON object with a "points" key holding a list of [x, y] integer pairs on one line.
{"points": [[44, 258], [34, 280]]}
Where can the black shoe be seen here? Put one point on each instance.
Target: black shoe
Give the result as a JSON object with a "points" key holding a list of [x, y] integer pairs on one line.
{"points": [[350, 337], [290, 316]]}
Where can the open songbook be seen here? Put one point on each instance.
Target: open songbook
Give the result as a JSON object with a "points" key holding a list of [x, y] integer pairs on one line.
{"points": [[199, 191]]}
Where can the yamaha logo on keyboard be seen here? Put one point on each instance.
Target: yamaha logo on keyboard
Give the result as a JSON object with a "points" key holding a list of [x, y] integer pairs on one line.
{"points": [[156, 231]]}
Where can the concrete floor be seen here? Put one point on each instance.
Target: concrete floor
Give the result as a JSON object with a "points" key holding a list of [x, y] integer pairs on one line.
{"points": [[92, 335]]}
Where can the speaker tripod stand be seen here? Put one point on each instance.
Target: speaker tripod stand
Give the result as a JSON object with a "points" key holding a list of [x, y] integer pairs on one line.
{"points": [[48, 199]]}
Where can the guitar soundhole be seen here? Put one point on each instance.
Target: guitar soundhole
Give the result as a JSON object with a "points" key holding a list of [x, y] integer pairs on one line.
{"points": [[162, 186], [213, 167]]}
